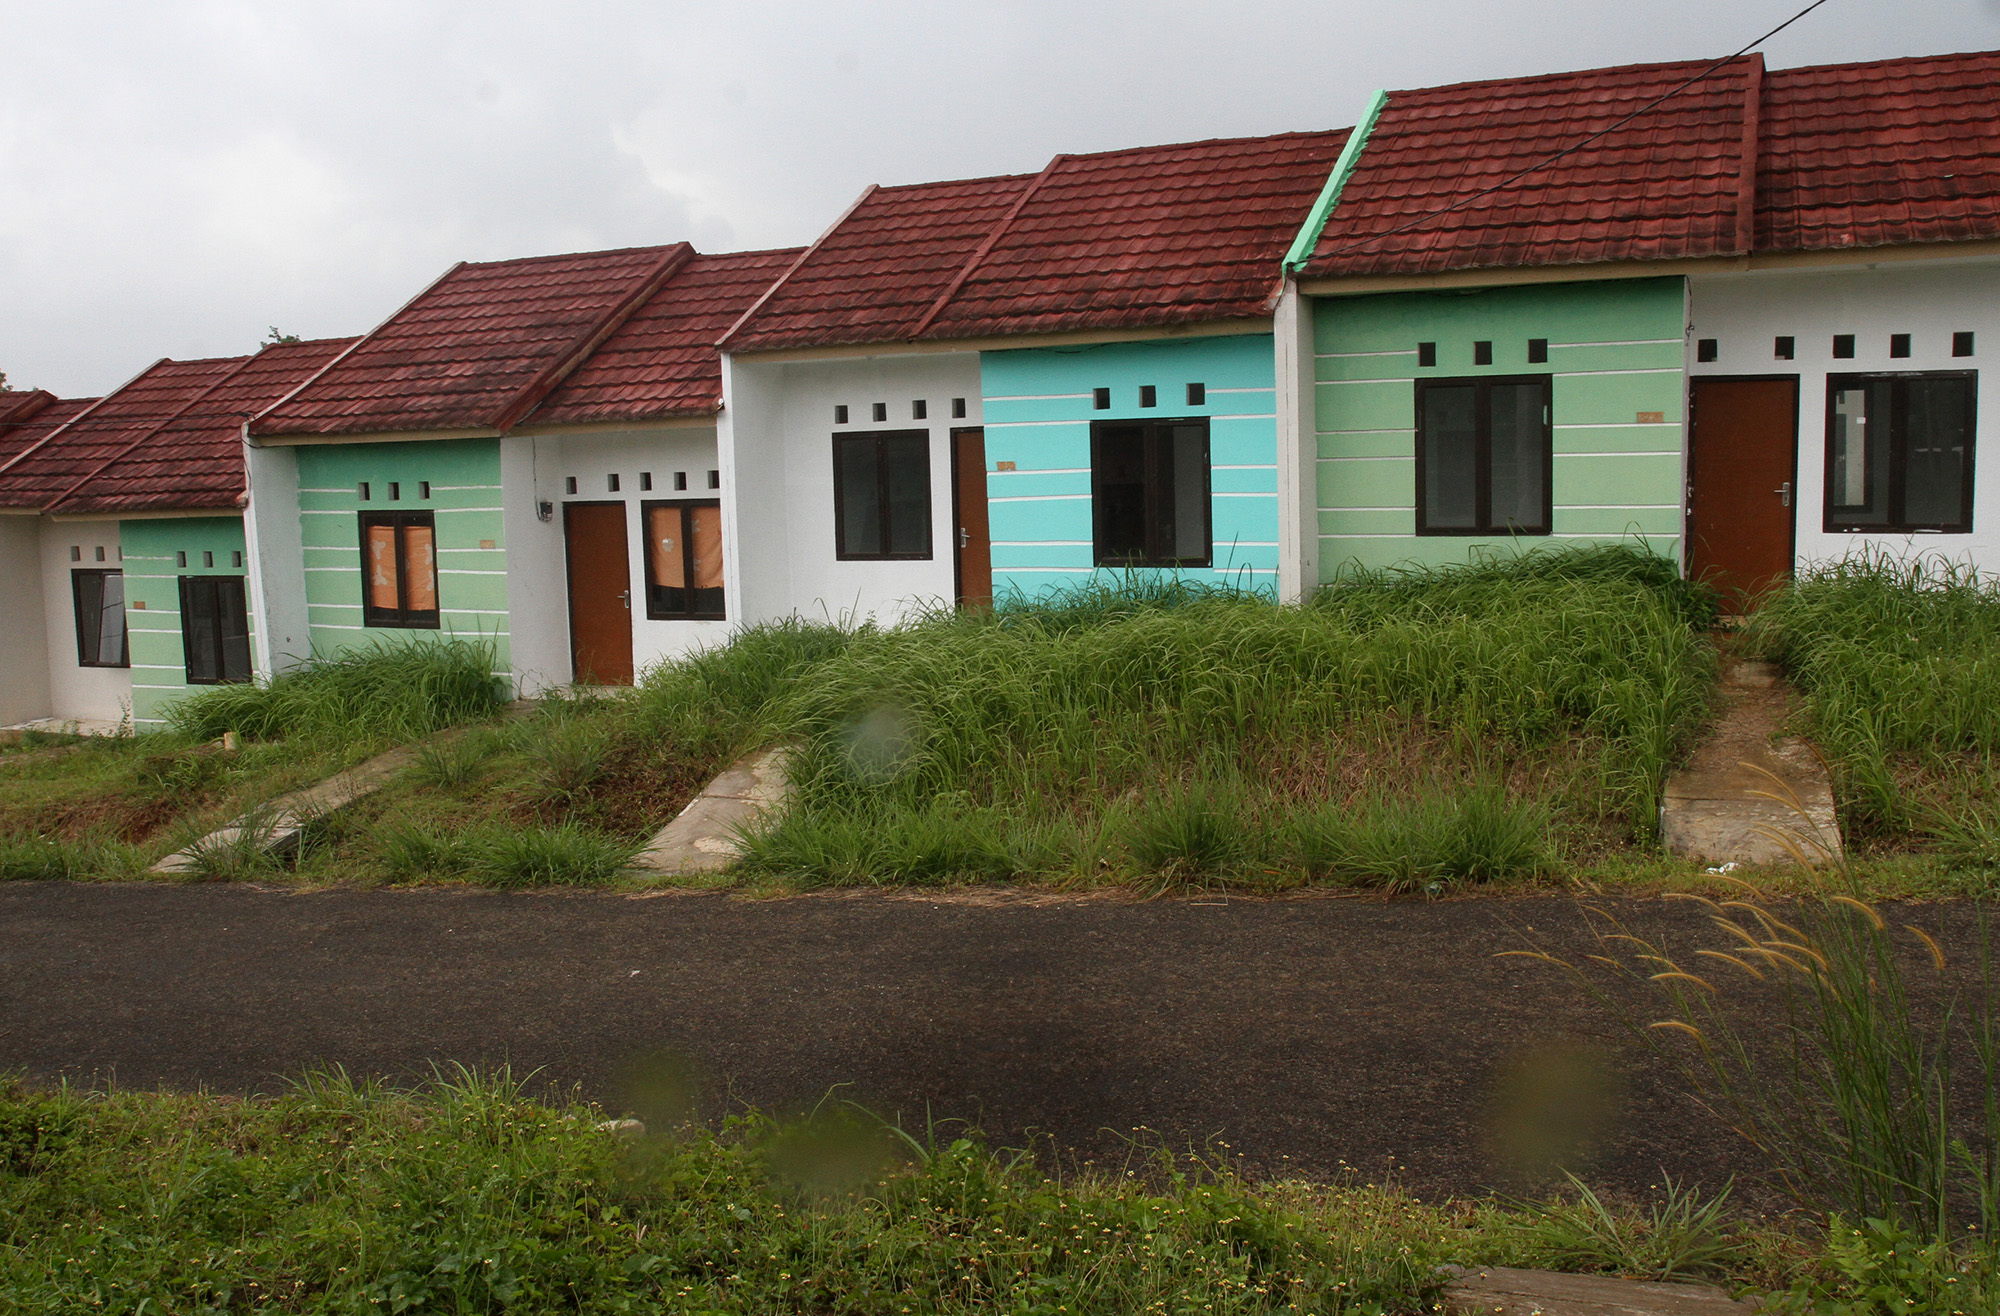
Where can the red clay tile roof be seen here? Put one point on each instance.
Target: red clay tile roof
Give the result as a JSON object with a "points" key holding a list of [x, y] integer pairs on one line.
{"points": [[19, 405], [662, 361], [44, 470], [478, 348], [1158, 235], [16, 437], [873, 276], [1896, 151], [196, 459], [1670, 183]]}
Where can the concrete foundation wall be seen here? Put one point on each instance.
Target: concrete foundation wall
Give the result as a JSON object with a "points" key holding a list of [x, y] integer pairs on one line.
{"points": [[1616, 358], [24, 640], [1745, 314], [1039, 407]]}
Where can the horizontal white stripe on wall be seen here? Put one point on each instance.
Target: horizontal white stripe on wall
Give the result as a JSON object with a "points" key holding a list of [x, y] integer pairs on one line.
{"points": [[134, 557], [1365, 507], [334, 626], [1040, 543], [1623, 342], [345, 571], [1041, 498], [1247, 466], [1043, 571], [1261, 415], [1619, 425], [1352, 356], [326, 511], [141, 685], [1398, 379], [1272, 494], [442, 510], [462, 488], [156, 630], [1244, 571], [1030, 424], [347, 490], [157, 667], [1261, 388], [1598, 534], [467, 612], [1672, 452], [1386, 457], [1046, 470], [141, 575], [1406, 429], [467, 571], [1637, 370], [1618, 507], [1027, 397]]}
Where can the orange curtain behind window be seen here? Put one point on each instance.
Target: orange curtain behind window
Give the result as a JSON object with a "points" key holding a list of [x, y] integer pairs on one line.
{"points": [[420, 568], [706, 532], [663, 542], [381, 547]]}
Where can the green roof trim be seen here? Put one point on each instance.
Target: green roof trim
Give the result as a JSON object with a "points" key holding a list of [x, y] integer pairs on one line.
{"points": [[1329, 196]]}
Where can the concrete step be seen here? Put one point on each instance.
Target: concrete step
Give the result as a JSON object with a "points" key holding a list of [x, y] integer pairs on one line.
{"points": [[1501, 1291], [702, 838], [1752, 794]]}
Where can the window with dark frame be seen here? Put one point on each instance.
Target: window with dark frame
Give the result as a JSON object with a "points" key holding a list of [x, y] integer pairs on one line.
{"points": [[683, 560], [1149, 493], [100, 617], [399, 583], [215, 629], [1899, 451], [882, 495], [1484, 453]]}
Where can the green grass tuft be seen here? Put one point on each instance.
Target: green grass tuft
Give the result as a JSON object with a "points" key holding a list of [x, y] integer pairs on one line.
{"points": [[392, 692]]}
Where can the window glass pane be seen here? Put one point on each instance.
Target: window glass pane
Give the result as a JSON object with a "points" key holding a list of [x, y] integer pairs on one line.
{"points": [[1450, 441], [1188, 535], [88, 588], [909, 471], [111, 621], [1935, 437], [1121, 492], [1855, 494], [200, 639], [232, 616], [860, 497], [420, 568], [1518, 456], [380, 563], [705, 538], [665, 548]]}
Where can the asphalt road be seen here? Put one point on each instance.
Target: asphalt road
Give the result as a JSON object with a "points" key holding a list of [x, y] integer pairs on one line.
{"points": [[1307, 1034]]}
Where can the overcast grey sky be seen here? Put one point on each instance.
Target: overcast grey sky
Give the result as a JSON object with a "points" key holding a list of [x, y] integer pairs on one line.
{"points": [[176, 176]]}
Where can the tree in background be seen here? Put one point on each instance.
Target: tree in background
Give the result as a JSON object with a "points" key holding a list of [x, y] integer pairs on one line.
{"points": [[277, 336]]}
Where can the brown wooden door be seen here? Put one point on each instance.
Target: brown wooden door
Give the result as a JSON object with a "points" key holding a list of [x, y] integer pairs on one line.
{"points": [[1743, 484], [975, 538], [600, 593]]}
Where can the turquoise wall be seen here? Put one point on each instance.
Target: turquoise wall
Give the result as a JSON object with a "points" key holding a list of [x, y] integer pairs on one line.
{"points": [[151, 547], [1616, 353], [1038, 411], [464, 476]]}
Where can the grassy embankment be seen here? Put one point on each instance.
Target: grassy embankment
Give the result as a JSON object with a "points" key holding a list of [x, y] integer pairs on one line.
{"points": [[1899, 666], [470, 1197]]}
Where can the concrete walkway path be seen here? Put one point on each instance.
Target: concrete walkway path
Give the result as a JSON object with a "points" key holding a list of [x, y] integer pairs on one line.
{"points": [[1500, 1291], [702, 838], [1752, 794]]}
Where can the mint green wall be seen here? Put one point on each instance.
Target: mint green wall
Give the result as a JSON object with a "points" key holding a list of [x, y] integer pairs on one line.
{"points": [[153, 599], [1038, 408], [1615, 352], [464, 475]]}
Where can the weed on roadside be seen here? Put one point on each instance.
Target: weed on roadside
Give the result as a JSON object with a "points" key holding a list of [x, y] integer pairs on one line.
{"points": [[501, 855], [58, 859]]}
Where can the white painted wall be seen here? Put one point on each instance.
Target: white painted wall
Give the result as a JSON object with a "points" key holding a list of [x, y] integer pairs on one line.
{"points": [[24, 644], [1746, 313], [76, 691], [777, 454], [275, 558], [537, 585]]}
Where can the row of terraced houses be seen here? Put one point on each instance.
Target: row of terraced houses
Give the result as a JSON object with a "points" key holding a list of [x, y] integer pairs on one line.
{"points": [[1733, 314]]}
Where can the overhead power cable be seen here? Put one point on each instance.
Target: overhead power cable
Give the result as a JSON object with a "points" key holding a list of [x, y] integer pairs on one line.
{"points": [[1360, 243]]}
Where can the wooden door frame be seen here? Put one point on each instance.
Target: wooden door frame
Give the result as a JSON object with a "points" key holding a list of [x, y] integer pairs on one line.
{"points": [[1797, 381], [958, 517], [569, 578]]}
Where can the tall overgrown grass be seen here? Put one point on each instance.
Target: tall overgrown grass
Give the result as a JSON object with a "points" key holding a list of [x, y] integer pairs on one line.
{"points": [[1899, 663], [391, 692], [340, 1196], [962, 737]]}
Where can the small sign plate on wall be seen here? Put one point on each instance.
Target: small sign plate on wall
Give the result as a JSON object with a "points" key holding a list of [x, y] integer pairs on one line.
{"points": [[1003, 466], [486, 543], [1652, 418]]}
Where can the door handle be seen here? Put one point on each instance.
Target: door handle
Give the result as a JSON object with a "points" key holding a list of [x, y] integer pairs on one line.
{"points": [[1784, 492], [964, 537], [625, 597]]}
